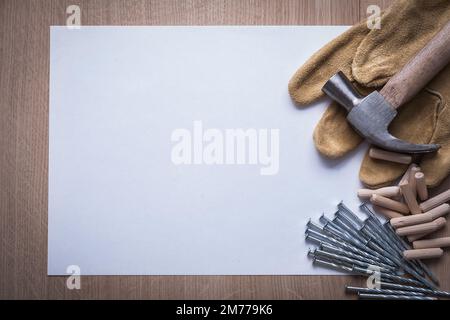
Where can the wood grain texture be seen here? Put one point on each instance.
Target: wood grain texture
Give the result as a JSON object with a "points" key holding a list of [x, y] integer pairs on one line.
{"points": [[24, 76], [427, 63]]}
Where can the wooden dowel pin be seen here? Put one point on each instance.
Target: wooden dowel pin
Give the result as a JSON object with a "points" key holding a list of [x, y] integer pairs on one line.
{"points": [[435, 201], [389, 204], [439, 224], [421, 187], [380, 154], [412, 180], [432, 243], [422, 253], [420, 228], [410, 196], [388, 192], [407, 173], [433, 214], [387, 213]]}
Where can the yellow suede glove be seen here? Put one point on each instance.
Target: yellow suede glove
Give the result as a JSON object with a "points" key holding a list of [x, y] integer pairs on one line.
{"points": [[369, 58]]}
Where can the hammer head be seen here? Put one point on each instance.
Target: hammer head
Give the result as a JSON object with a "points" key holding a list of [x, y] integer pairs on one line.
{"points": [[370, 116]]}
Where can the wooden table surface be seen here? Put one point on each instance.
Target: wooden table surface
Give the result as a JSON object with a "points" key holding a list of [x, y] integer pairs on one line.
{"points": [[24, 79]]}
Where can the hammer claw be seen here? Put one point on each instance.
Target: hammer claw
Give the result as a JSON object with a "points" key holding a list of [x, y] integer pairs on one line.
{"points": [[391, 143]]}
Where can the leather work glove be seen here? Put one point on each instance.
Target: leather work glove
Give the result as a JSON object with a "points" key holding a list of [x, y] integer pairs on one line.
{"points": [[369, 58]]}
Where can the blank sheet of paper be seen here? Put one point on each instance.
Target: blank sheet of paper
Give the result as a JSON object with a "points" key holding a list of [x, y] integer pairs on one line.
{"points": [[134, 188]]}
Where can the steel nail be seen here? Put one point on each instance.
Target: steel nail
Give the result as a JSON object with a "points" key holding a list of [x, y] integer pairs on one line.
{"points": [[370, 213], [331, 265], [373, 226], [348, 238], [327, 223], [342, 223], [373, 296], [341, 244], [332, 249], [382, 291], [346, 211], [372, 243], [350, 261], [437, 293], [339, 266], [386, 276], [312, 225]]}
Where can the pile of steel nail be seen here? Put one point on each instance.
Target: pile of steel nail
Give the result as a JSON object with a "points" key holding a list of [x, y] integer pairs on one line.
{"points": [[369, 247]]}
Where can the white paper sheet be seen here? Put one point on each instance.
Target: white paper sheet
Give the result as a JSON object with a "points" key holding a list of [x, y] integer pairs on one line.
{"points": [[119, 205]]}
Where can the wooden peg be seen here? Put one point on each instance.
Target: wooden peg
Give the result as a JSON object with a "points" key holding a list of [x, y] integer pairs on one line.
{"points": [[423, 253], [380, 154], [435, 201], [389, 204], [432, 243], [433, 214], [418, 228], [439, 224], [388, 192], [439, 211], [412, 180], [416, 237], [389, 214], [407, 173], [421, 187], [406, 221], [410, 198]]}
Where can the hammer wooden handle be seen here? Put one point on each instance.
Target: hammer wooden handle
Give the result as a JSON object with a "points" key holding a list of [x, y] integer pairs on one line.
{"points": [[419, 70]]}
